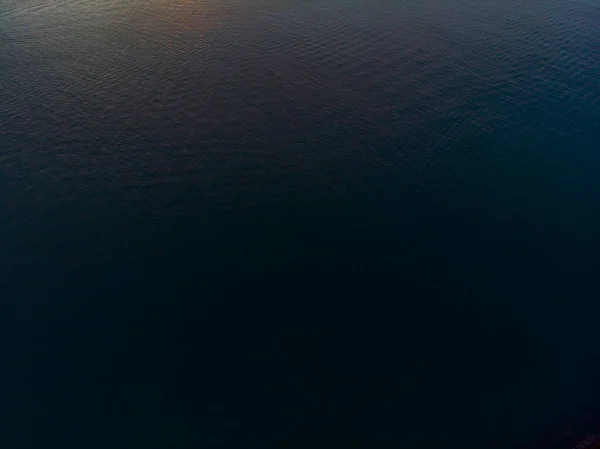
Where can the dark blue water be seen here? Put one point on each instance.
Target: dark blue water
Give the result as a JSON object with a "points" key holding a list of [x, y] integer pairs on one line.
{"points": [[289, 224]]}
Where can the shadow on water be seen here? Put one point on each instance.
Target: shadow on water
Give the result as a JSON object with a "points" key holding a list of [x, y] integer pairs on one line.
{"points": [[305, 331], [347, 353], [301, 331]]}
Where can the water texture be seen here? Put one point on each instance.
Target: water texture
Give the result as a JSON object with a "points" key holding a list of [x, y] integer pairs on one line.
{"points": [[298, 223]]}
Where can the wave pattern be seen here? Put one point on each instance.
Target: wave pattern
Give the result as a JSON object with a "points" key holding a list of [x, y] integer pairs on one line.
{"points": [[201, 136]]}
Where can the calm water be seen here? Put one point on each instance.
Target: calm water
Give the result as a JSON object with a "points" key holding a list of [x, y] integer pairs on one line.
{"points": [[298, 223]]}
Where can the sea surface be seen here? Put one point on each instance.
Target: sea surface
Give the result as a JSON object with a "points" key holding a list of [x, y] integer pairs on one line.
{"points": [[298, 223]]}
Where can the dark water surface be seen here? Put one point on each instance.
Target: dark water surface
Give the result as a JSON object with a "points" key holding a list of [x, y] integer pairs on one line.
{"points": [[298, 223]]}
